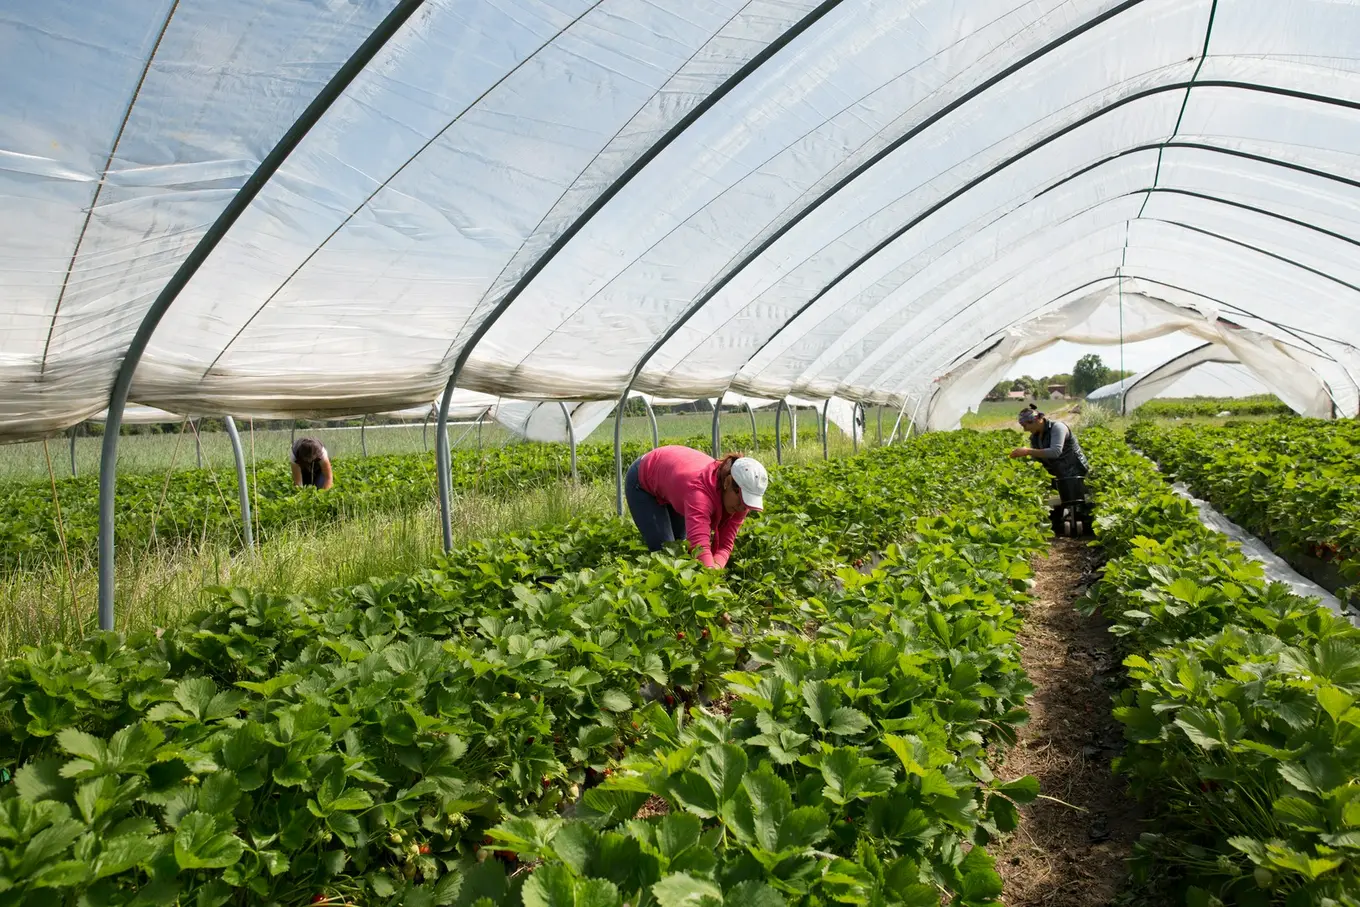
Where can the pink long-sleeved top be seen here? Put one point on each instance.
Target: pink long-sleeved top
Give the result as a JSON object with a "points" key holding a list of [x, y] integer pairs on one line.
{"points": [[687, 480]]}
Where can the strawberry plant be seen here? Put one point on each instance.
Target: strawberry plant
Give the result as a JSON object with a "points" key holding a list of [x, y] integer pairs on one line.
{"points": [[1240, 711], [489, 727], [1290, 482]]}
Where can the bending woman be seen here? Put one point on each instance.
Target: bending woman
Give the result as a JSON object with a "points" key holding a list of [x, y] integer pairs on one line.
{"points": [[677, 492], [311, 464]]}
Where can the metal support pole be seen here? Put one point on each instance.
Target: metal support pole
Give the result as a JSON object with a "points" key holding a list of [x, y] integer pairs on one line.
{"points": [[755, 442], [241, 485], [825, 406], [571, 438], [442, 466], [793, 424], [425, 432], [479, 430], [900, 413], [73, 450], [198, 443], [363, 442], [651, 414], [880, 424], [618, 450], [854, 426], [292, 434], [717, 428], [240, 201], [778, 446]]}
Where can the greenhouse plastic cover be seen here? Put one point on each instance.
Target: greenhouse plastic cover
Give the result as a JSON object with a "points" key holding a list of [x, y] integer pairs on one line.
{"points": [[882, 201], [1210, 370]]}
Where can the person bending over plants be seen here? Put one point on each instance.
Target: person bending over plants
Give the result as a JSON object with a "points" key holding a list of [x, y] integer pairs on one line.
{"points": [[677, 492], [1053, 444], [311, 464]]}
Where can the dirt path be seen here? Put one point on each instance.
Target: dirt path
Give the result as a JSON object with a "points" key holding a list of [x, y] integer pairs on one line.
{"points": [[1070, 855]]}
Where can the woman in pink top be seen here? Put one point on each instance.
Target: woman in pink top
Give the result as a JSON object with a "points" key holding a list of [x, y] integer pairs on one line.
{"points": [[677, 492]]}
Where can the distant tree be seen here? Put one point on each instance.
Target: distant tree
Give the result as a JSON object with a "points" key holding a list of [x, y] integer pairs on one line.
{"points": [[1000, 391], [1089, 374]]}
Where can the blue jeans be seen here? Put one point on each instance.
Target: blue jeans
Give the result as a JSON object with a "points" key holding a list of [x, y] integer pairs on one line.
{"points": [[659, 523]]}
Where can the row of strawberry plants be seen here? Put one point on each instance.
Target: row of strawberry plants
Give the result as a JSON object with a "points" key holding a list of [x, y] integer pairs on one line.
{"points": [[196, 505], [364, 745], [1240, 713], [1206, 407], [1291, 482]]}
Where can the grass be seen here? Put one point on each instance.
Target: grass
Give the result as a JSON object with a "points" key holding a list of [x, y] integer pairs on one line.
{"points": [[160, 587], [160, 453]]}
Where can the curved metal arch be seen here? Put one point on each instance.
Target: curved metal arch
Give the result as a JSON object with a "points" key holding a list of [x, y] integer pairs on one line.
{"points": [[1173, 191], [1201, 146], [99, 188], [1105, 278], [1020, 155], [778, 445], [122, 383], [571, 439], [717, 426], [1203, 196], [386, 182], [930, 120]]}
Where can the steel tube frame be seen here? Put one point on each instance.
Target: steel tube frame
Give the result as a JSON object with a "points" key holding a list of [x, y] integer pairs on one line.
{"points": [[363, 441], [73, 450], [198, 442], [880, 424], [651, 414], [425, 432], [901, 411], [717, 426], [826, 455], [778, 446], [242, 487], [755, 442], [122, 383], [854, 426], [793, 425], [571, 438]]}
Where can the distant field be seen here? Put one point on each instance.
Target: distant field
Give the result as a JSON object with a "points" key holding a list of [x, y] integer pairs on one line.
{"points": [[160, 453]]}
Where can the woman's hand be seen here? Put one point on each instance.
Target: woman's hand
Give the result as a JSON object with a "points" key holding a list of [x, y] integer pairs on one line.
{"points": [[1020, 452]]}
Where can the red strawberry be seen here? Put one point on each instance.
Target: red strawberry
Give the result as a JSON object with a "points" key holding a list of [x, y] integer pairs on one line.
{"points": [[424, 848], [680, 634], [704, 632]]}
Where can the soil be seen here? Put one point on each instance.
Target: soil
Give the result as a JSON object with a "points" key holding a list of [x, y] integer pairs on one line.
{"points": [[1072, 853]]}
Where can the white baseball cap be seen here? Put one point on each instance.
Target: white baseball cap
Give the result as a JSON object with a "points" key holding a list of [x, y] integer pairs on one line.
{"points": [[752, 479]]}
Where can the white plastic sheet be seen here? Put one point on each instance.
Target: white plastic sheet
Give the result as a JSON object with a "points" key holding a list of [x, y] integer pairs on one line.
{"points": [[865, 200]]}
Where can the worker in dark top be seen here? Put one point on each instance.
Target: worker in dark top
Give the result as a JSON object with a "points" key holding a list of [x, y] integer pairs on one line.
{"points": [[311, 464], [1052, 444]]}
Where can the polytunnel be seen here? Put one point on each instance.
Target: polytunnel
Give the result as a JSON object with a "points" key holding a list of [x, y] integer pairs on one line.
{"points": [[1209, 370], [278, 209]]}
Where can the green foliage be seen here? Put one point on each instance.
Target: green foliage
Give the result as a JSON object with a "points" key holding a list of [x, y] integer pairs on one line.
{"points": [[1088, 374], [1206, 407], [408, 741], [1290, 482], [1239, 713]]}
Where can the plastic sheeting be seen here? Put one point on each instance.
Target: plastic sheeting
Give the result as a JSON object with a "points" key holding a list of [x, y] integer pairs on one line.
{"points": [[851, 199], [1291, 369], [1275, 567], [1210, 370]]}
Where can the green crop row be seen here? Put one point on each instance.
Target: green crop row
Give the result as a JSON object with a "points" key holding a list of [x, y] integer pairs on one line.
{"points": [[1207, 407], [197, 505], [1292, 483], [1240, 713], [792, 730]]}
